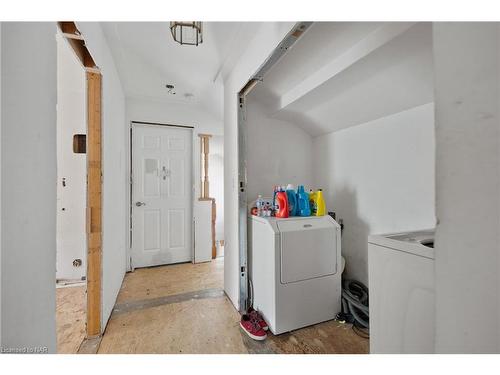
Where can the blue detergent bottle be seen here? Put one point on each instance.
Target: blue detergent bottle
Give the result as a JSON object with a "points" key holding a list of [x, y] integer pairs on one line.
{"points": [[304, 209], [292, 200]]}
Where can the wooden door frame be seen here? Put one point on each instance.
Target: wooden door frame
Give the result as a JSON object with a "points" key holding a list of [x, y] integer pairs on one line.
{"points": [[72, 35]]}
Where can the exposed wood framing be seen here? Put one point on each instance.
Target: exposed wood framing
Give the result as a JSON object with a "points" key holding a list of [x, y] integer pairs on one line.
{"points": [[204, 151], [94, 200], [69, 27], [94, 176], [75, 39]]}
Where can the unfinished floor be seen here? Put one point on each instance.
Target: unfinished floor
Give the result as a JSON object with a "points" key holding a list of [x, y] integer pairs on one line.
{"points": [[183, 309], [70, 318]]}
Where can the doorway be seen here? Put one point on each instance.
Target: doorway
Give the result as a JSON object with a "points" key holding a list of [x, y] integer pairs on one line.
{"points": [[162, 160], [290, 39]]}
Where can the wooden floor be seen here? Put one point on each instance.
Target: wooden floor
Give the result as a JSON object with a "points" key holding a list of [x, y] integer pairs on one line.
{"points": [[70, 318], [182, 309]]}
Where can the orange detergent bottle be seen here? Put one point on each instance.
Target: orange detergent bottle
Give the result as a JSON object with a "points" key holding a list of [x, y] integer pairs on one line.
{"points": [[281, 204]]}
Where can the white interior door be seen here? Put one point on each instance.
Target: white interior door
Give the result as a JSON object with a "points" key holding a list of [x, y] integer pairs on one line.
{"points": [[161, 192]]}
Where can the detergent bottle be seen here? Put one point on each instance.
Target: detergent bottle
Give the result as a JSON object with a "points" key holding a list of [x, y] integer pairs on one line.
{"points": [[281, 204], [292, 200], [320, 203], [312, 202], [303, 202]]}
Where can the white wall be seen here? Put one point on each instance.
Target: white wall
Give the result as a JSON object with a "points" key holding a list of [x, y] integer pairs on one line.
{"points": [[279, 153], [115, 183], [0, 183], [28, 79], [466, 59], [71, 199], [216, 178], [379, 178], [181, 113], [267, 37]]}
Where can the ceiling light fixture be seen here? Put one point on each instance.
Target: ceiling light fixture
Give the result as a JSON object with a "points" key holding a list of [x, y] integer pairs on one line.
{"points": [[190, 33]]}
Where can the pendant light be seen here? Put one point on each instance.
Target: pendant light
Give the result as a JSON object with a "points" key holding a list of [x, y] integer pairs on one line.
{"points": [[190, 33]]}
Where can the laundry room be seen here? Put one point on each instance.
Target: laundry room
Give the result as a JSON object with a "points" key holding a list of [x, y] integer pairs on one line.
{"points": [[346, 113]]}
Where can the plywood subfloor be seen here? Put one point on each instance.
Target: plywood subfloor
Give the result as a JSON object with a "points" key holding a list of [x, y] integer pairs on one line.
{"points": [[163, 281], [182, 309], [70, 318], [196, 326]]}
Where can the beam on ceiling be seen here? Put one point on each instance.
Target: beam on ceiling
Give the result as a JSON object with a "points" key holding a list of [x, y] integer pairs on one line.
{"points": [[372, 42]]}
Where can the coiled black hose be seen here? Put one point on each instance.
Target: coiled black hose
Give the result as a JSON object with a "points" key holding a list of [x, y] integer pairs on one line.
{"points": [[355, 306]]}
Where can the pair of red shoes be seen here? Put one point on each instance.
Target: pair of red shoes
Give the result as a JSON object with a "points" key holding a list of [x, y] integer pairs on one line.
{"points": [[254, 325]]}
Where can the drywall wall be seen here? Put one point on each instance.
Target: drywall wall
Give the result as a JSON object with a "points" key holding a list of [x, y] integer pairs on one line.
{"points": [[278, 153], [28, 79], [115, 206], [71, 167], [0, 183], [379, 178], [180, 113], [266, 38], [203, 232], [216, 178], [466, 60]]}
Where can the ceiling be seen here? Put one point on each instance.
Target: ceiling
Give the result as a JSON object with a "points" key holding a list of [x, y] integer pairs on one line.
{"points": [[341, 74], [148, 58]]}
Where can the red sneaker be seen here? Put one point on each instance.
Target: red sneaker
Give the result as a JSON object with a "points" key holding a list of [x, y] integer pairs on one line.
{"points": [[252, 328], [254, 314]]}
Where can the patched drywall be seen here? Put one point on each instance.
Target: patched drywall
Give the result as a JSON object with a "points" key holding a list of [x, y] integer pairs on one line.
{"points": [[379, 178], [71, 167]]}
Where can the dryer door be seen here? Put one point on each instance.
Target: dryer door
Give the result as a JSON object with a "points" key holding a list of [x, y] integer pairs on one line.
{"points": [[308, 249]]}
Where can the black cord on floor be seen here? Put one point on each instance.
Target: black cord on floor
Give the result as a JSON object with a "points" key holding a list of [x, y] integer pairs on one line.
{"points": [[361, 331]]}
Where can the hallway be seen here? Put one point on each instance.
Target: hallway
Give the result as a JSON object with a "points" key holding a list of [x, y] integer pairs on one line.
{"points": [[182, 308]]}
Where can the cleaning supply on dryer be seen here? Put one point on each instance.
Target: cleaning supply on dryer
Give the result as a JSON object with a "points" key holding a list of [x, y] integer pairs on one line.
{"points": [[282, 204], [303, 202], [260, 206], [320, 203], [292, 200], [275, 191], [312, 202]]}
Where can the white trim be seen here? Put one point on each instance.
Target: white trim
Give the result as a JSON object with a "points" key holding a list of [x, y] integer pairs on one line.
{"points": [[135, 123]]}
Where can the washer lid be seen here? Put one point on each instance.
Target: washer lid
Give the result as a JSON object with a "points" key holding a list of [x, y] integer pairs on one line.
{"points": [[419, 243], [308, 249]]}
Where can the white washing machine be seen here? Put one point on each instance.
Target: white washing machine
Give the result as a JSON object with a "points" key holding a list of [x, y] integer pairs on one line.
{"points": [[401, 292], [295, 270]]}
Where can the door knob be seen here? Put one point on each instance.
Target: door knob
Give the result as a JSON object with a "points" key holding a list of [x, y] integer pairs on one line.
{"points": [[139, 204], [165, 172]]}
